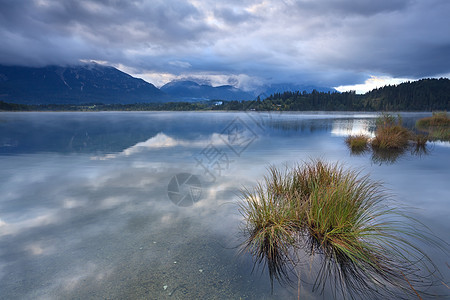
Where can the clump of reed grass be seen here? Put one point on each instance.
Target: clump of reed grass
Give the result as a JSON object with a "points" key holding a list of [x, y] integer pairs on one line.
{"points": [[390, 142], [343, 218], [270, 229], [438, 126], [420, 140], [357, 143], [390, 133], [442, 134], [437, 119]]}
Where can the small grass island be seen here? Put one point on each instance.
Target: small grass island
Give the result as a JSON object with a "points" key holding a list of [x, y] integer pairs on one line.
{"points": [[343, 221], [437, 126]]}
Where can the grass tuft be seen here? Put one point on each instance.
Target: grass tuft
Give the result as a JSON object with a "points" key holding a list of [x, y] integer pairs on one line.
{"points": [[357, 143], [437, 119], [340, 217], [390, 133], [420, 140], [437, 126], [392, 140]]}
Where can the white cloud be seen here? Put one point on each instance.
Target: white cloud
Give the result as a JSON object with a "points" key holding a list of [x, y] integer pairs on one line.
{"points": [[162, 140], [44, 218], [372, 83], [181, 64]]}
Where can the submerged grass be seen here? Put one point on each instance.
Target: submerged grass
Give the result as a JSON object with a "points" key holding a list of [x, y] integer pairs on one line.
{"points": [[343, 218]]}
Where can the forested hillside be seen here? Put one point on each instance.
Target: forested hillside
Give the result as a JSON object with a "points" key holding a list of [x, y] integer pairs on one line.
{"points": [[421, 95]]}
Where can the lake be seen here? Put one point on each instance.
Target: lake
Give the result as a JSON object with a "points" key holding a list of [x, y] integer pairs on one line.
{"points": [[144, 205]]}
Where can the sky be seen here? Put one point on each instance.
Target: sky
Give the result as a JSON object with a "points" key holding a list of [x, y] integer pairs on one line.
{"points": [[348, 44]]}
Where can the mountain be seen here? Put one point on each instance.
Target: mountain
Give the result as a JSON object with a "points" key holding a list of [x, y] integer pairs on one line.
{"points": [[94, 83], [280, 88], [184, 90], [88, 83]]}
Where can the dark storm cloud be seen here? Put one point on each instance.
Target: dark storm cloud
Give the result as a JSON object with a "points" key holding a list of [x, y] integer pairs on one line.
{"points": [[411, 43], [104, 30], [352, 7], [331, 42]]}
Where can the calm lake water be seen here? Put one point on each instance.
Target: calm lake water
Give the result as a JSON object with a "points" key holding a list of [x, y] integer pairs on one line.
{"points": [[144, 205]]}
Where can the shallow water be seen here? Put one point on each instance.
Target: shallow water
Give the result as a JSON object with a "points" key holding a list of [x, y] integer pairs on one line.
{"points": [[93, 205]]}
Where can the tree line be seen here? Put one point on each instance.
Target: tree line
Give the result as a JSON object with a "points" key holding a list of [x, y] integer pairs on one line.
{"points": [[421, 95]]}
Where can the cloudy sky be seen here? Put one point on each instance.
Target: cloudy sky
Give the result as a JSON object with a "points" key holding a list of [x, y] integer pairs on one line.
{"points": [[358, 44]]}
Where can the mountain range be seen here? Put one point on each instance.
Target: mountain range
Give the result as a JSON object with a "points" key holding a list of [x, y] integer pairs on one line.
{"points": [[89, 83], [192, 91], [95, 83]]}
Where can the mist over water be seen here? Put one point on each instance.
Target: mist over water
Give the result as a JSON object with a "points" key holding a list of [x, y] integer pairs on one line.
{"points": [[85, 210]]}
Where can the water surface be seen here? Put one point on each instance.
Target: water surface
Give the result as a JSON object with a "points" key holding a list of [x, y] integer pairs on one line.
{"points": [[86, 210]]}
